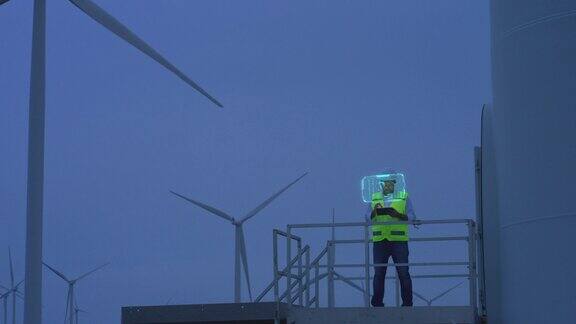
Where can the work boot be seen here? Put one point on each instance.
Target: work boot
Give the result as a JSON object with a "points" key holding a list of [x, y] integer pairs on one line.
{"points": [[375, 303]]}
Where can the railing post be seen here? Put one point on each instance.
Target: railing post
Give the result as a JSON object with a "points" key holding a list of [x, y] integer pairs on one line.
{"points": [[276, 274], [288, 267], [366, 265], [480, 268], [317, 284], [307, 278], [275, 265], [300, 297], [472, 265], [330, 274]]}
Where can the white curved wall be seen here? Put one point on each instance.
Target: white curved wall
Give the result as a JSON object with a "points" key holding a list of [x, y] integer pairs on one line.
{"points": [[534, 84]]}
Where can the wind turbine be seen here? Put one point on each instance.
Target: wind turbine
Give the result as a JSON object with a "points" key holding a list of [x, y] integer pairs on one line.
{"points": [[70, 305], [239, 240], [13, 287], [76, 311], [4, 298], [36, 131]]}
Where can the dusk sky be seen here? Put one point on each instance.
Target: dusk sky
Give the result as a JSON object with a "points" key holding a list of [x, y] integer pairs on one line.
{"points": [[341, 89]]}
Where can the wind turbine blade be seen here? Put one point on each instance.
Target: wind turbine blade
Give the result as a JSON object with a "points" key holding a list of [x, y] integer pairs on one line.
{"points": [[4, 287], [58, 273], [11, 268], [447, 291], [3, 2], [115, 26], [92, 271], [245, 260], [269, 200], [211, 209]]}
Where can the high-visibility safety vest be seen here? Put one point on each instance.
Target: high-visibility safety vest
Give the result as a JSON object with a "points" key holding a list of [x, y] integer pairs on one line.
{"points": [[396, 232]]}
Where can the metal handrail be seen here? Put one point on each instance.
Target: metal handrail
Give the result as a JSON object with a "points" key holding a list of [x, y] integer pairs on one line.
{"points": [[307, 271], [457, 275], [415, 239], [411, 264], [361, 224], [281, 273], [303, 283]]}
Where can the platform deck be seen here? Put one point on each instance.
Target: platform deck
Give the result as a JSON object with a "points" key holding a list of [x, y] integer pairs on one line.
{"points": [[267, 313]]}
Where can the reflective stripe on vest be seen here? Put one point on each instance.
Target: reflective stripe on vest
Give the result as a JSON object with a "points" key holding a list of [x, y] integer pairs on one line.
{"points": [[396, 232]]}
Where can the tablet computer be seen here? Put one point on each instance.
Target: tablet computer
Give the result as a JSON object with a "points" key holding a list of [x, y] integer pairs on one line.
{"points": [[387, 211]]}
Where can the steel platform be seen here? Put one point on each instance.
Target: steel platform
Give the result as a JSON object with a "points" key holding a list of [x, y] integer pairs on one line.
{"points": [[384, 315], [264, 313], [258, 313]]}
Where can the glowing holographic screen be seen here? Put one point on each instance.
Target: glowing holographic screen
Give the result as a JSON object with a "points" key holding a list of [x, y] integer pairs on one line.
{"points": [[373, 183]]}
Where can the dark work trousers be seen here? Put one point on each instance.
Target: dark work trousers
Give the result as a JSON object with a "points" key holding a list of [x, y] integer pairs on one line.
{"points": [[382, 251]]}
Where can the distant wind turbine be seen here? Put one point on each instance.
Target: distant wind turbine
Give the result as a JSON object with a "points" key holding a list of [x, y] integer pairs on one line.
{"points": [[70, 304], [13, 287], [4, 298], [240, 242], [77, 311], [36, 131]]}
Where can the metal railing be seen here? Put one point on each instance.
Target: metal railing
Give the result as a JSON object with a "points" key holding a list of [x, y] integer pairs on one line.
{"points": [[303, 275]]}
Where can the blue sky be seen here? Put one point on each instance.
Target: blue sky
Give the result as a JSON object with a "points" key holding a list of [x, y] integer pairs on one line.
{"points": [[341, 89]]}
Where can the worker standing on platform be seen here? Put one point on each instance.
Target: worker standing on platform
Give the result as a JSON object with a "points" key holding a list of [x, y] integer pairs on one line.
{"points": [[391, 204]]}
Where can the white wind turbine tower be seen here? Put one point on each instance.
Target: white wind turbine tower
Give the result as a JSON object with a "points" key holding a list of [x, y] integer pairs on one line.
{"points": [[240, 241], [70, 304], [36, 116], [77, 311]]}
